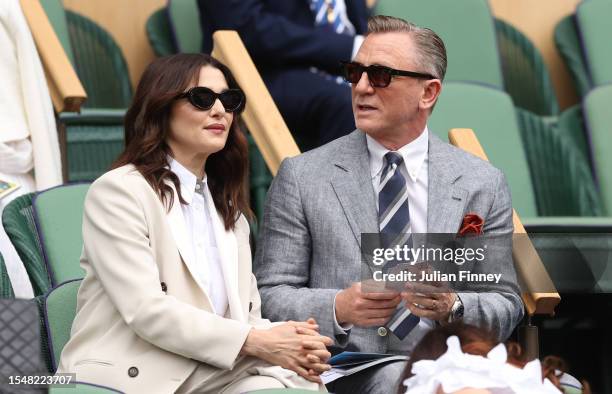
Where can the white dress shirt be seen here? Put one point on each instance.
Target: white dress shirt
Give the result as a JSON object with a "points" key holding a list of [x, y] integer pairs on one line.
{"points": [[198, 220], [414, 168]]}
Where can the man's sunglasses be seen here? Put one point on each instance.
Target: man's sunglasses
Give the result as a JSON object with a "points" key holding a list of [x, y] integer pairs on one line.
{"points": [[204, 98], [379, 76]]}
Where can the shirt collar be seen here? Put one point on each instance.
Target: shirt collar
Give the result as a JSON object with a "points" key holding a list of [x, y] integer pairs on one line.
{"points": [[413, 153], [186, 178]]}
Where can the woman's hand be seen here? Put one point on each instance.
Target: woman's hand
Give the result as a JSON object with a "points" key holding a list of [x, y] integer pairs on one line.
{"points": [[297, 346]]}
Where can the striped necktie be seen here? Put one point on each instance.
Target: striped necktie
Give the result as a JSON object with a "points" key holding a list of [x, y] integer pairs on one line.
{"points": [[394, 226]]}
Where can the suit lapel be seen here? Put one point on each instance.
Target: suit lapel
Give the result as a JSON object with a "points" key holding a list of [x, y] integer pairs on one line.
{"points": [[352, 184], [228, 255], [182, 240], [446, 201]]}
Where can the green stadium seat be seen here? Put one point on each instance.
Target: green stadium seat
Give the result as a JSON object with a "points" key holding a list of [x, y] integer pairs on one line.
{"points": [[59, 310], [280, 391], [185, 25], [598, 118], [570, 49], [593, 18], [468, 32], [159, 33], [562, 178], [94, 139], [6, 289], [526, 77], [18, 222], [543, 181], [99, 63], [82, 388], [59, 219], [571, 124], [461, 106]]}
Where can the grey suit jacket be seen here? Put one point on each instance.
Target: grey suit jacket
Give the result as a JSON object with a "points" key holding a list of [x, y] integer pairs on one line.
{"points": [[321, 201]]}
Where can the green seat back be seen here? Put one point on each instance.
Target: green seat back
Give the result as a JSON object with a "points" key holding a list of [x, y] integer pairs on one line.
{"points": [[570, 49], [571, 124], [159, 33], [490, 113], [185, 24], [593, 19], [82, 388], [99, 64], [59, 312], [59, 217], [18, 222], [6, 289], [560, 171], [598, 117], [57, 17], [94, 139], [467, 29], [526, 77]]}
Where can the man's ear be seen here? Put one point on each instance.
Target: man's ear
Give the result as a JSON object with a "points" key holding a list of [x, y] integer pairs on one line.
{"points": [[431, 91]]}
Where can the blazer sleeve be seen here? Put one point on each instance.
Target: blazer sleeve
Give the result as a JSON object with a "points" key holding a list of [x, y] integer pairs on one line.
{"points": [[283, 258], [273, 39], [116, 242], [499, 307]]}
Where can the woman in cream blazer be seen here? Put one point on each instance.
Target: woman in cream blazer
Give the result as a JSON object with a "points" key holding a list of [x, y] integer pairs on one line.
{"points": [[160, 310]]}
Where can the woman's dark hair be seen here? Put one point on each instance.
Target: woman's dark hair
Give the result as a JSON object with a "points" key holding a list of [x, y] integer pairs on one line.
{"points": [[147, 124]]}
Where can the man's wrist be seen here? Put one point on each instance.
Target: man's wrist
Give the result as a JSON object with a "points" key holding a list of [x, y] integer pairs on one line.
{"points": [[457, 310]]}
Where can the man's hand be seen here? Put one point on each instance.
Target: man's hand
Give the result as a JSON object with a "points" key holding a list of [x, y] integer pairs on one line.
{"points": [[429, 301], [366, 309], [297, 346]]}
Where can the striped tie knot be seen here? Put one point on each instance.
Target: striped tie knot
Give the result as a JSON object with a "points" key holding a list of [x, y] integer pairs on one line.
{"points": [[394, 159]]}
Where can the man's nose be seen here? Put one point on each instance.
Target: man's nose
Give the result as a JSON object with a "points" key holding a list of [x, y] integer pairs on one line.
{"points": [[363, 85]]}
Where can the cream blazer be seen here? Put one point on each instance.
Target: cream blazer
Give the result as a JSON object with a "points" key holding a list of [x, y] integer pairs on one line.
{"points": [[143, 321]]}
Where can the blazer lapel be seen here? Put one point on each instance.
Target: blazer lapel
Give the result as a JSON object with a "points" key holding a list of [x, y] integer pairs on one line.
{"points": [[352, 184], [182, 240], [228, 255], [445, 200]]}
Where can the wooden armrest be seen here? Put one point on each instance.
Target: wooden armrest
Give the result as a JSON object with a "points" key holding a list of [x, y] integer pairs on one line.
{"points": [[529, 267], [66, 90], [261, 115]]}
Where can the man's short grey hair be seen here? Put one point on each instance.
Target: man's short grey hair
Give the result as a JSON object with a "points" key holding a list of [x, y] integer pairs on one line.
{"points": [[430, 47]]}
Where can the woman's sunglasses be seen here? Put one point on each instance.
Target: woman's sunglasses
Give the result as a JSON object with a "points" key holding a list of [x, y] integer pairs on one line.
{"points": [[204, 98], [379, 76]]}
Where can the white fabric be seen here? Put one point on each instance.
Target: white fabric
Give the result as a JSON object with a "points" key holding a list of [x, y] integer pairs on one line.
{"points": [[455, 370], [25, 104], [28, 135], [198, 220]]}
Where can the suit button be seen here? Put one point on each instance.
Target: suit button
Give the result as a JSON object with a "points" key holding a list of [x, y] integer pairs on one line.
{"points": [[164, 287], [382, 331], [250, 306], [133, 372]]}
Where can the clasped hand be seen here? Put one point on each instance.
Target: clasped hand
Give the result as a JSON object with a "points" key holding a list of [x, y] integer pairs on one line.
{"points": [[297, 346]]}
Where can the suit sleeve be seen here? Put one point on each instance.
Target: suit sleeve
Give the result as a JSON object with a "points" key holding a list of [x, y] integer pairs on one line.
{"points": [[282, 261], [500, 308], [116, 242], [274, 39]]}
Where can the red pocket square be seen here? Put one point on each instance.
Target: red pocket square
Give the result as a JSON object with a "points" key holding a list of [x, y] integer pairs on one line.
{"points": [[472, 225]]}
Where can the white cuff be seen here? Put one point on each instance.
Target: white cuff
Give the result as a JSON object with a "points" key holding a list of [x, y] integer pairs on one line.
{"points": [[340, 328]]}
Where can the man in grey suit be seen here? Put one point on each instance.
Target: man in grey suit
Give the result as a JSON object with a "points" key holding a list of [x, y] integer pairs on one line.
{"points": [[390, 173]]}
